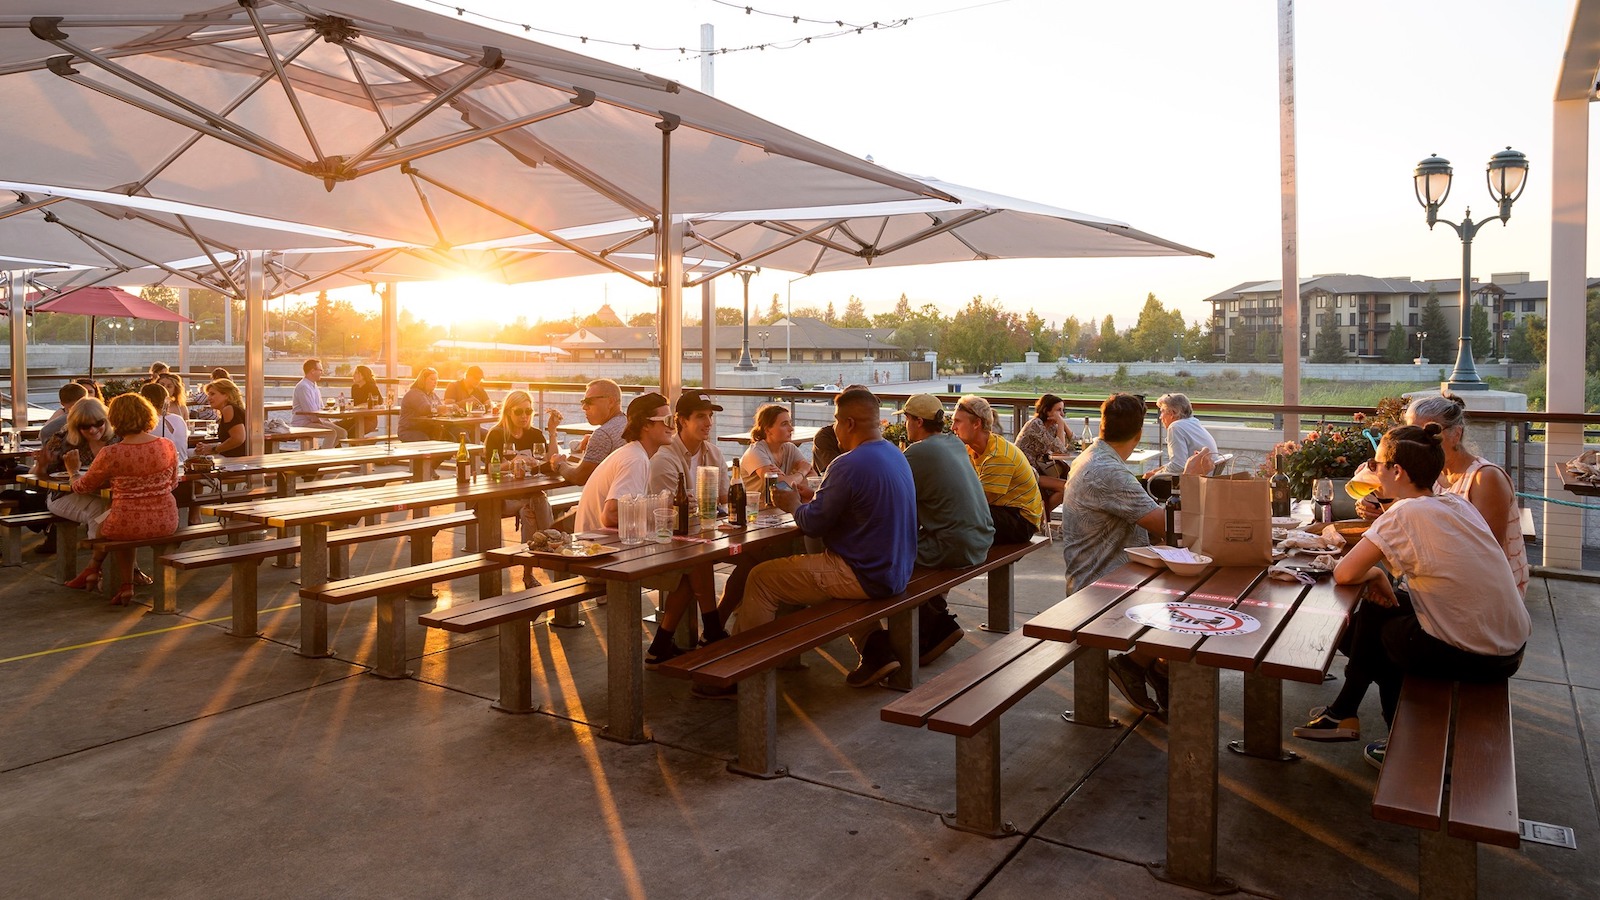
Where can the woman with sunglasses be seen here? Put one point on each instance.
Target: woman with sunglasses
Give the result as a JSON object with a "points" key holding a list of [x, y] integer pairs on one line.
{"points": [[521, 445], [86, 434], [1459, 616], [141, 470]]}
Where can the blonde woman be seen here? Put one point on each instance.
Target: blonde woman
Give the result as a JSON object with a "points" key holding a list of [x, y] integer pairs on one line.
{"points": [[86, 434]]}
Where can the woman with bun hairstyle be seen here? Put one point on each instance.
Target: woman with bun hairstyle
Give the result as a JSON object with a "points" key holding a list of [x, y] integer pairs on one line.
{"points": [[1459, 615]]}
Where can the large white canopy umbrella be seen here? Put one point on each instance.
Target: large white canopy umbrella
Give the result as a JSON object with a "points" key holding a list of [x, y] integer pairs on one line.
{"points": [[812, 239], [384, 119]]}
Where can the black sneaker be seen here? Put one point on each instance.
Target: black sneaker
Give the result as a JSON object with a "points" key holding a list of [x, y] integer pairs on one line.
{"points": [[659, 655], [1129, 678], [1324, 727], [944, 634], [877, 662]]}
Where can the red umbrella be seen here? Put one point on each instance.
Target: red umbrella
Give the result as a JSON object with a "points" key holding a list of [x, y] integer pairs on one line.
{"points": [[116, 303]]}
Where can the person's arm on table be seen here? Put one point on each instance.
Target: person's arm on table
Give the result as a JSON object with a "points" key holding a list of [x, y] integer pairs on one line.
{"points": [[1359, 566]]}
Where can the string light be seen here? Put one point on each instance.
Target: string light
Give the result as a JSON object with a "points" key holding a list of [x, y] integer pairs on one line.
{"points": [[842, 28]]}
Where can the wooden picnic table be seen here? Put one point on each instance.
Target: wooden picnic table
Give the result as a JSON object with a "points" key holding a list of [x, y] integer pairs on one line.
{"points": [[300, 433], [624, 573], [1296, 635], [803, 434], [1571, 484], [317, 514], [288, 466]]}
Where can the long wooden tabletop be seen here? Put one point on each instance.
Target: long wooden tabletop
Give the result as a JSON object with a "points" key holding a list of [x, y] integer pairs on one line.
{"points": [[290, 512]]}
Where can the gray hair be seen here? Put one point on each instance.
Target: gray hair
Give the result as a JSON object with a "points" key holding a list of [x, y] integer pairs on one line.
{"points": [[979, 409], [1178, 403], [1446, 409]]}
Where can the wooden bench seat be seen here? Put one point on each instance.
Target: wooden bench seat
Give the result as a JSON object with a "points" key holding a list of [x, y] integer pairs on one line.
{"points": [[513, 614], [966, 701], [246, 559], [1450, 772], [163, 592], [390, 590], [349, 482], [749, 660], [13, 524]]}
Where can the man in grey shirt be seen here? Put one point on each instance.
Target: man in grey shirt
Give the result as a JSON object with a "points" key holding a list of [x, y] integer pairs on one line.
{"points": [[602, 406], [1185, 434], [1103, 511]]}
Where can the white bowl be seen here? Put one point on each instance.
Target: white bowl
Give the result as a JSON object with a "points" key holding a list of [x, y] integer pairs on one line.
{"points": [[1190, 568]]}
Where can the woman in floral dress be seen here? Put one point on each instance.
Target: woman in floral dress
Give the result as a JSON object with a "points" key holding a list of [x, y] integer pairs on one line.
{"points": [[141, 470]]}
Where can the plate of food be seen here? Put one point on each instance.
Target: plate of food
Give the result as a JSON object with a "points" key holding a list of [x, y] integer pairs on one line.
{"points": [[554, 543]]}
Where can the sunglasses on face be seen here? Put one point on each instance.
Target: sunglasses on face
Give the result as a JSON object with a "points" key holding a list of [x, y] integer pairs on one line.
{"points": [[665, 420], [522, 412], [88, 425], [589, 401]]}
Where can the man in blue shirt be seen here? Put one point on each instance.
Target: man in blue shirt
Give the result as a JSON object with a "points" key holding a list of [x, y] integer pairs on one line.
{"points": [[865, 513]]}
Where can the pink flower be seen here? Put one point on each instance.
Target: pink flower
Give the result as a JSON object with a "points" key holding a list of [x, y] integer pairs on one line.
{"points": [[1311, 436], [1341, 461], [1360, 417], [1338, 438]]}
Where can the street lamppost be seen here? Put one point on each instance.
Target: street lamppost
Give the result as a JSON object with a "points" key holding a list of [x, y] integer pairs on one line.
{"points": [[1421, 336], [745, 362], [764, 353], [869, 347], [1177, 343], [1507, 175], [653, 353]]}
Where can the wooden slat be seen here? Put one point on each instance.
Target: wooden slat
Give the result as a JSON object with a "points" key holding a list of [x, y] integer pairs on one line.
{"points": [[1411, 783], [914, 708], [1483, 779], [1223, 587], [189, 533], [1271, 603], [365, 586], [688, 664], [403, 528], [1063, 621], [1304, 648], [1113, 630], [221, 556], [480, 614], [970, 713]]}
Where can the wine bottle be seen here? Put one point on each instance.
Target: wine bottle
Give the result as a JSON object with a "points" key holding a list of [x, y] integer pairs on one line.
{"points": [[681, 501], [1088, 436], [1174, 537], [463, 462], [1281, 502], [736, 503]]}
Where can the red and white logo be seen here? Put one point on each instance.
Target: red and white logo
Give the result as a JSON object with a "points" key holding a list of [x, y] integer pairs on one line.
{"points": [[1194, 618]]}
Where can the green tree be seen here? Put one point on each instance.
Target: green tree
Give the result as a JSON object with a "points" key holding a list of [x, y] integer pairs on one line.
{"points": [[855, 314], [1330, 344], [642, 320], [1072, 336], [1151, 336], [809, 312], [1042, 336], [1440, 344], [1522, 346], [984, 334], [774, 312], [1240, 350], [829, 315], [1267, 346], [1399, 347], [1482, 337], [1109, 346], [1197, 343], [728, 315]]}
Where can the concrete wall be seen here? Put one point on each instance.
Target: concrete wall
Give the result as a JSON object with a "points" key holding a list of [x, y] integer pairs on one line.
{"points": [[1431, 373]]}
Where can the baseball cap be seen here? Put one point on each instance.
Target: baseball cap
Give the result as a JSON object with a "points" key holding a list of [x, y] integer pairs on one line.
{"points": [[645, 405], [695, 401], [923, 406]]}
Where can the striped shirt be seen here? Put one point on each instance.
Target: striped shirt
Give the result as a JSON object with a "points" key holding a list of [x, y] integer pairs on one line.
{"points": [[1008, 478]]}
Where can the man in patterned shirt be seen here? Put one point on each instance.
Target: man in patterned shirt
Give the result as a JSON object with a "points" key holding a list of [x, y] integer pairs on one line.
{"points": [[602, 406], [1008, 481], [1104, 510]]}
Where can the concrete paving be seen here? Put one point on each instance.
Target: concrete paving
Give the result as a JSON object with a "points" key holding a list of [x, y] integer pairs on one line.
{"points": [[145, 755]]}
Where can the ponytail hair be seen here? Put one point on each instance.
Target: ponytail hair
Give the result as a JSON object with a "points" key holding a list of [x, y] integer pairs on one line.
{"points": [[1418, 450]]}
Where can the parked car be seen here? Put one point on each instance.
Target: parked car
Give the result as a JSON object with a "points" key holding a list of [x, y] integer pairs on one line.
{"points": [[789, 382], [996, 372], [830, 388]]}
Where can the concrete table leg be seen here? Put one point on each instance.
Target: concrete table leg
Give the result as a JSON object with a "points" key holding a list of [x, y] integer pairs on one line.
{"points": [[624, 662], [1192, 781], [567, 617], [1002, 588], [243, 589], [287, 482], [758, 728], [1447, 867], [978, 785], [1091, 691], [421, 555], [1263, 720], [67, 549], [516, 668], [313, 573], [492, 582], [164, 586], [390, 650], [903, 640]]}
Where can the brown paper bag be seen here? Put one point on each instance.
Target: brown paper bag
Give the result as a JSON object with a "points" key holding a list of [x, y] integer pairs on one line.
{"points": [[1228, 518]]}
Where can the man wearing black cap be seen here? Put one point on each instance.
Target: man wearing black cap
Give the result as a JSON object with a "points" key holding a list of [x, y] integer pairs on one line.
{"points": [[688, 450], [954, 525], [627, 470]]}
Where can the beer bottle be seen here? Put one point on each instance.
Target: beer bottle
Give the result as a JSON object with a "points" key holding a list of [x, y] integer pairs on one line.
{"points": [[494, 465], [463, 462], [736, 502], [681, 500], [1281, 502]]}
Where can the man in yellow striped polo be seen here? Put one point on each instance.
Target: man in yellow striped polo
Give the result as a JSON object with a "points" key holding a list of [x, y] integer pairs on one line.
{"points": [[1008, 481]]}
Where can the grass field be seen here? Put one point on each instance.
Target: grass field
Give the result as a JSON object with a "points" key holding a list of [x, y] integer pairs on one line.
{"points": [[1227, 387]]}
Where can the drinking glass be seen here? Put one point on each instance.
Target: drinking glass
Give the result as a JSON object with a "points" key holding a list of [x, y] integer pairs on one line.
{"points": [[663, 526], [1322, 491]]}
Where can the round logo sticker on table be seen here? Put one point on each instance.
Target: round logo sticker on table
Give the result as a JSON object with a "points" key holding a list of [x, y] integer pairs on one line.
{"points": [[1194, 618]]}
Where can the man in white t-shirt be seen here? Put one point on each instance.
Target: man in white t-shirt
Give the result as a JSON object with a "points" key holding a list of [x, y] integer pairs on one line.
{"points": [[308, 404], [626, 471]]}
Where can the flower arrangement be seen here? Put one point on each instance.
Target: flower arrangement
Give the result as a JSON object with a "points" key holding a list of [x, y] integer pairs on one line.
{"points": [[1334, 451], [895, 433]]}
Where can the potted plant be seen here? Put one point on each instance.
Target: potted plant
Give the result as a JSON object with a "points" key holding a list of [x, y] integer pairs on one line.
{"points": [[1334, 451]]}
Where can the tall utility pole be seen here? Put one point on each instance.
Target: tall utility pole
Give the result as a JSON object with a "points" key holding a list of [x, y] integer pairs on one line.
{"points": [[708, 290], [1290, 212]]}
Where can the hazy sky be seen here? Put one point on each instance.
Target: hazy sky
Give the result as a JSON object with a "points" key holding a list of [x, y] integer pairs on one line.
{"points": [[1161, 113]]}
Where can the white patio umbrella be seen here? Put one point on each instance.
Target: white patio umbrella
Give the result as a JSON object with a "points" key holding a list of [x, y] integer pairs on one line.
{"points": [[980, 225], [388, 120]]}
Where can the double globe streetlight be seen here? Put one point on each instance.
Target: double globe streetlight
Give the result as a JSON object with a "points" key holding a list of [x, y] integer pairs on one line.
{"points": [[1507, 175]]}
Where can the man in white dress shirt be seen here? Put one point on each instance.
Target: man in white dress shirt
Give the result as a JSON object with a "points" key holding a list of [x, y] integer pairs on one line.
{"points": [[308, 404]]}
